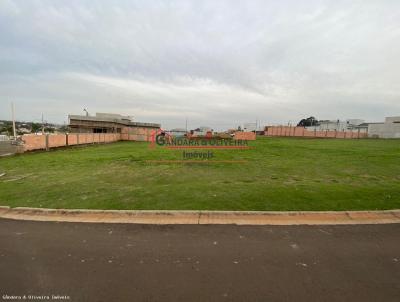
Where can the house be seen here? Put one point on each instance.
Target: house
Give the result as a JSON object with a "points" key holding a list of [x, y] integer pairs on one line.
{"points": [[107, 123], [24, 130]]}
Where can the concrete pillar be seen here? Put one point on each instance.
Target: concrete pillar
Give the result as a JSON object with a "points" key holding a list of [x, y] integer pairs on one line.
{"points": [[47, 142]]}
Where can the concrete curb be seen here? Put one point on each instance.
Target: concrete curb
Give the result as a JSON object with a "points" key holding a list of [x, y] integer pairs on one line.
{"points": [[203, 217], [4, 209]]}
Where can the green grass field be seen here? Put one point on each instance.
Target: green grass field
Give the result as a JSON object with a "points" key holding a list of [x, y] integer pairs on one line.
{"points": [[280, 174]]}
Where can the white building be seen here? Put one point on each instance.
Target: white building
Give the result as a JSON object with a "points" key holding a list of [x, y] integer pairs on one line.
{"points": [[355, 125], [4, 137], [24, 130], [202, 131], [389, 129]]}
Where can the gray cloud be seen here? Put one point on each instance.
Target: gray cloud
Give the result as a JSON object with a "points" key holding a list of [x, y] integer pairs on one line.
{"points": [[218, 63]]}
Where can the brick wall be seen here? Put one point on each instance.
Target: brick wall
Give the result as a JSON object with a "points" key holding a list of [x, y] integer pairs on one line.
{"points": [[137, 134], [56, 140], [248, 136], [34, 142], [38, 142]]}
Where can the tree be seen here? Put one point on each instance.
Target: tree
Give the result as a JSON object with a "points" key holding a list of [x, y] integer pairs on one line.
{"points": [[36, 127], [48, 130], [7, 129], [63, 128], [311, 121]]}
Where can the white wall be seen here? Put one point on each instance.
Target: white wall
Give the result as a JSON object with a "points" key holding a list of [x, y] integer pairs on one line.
{"points": [[330, 126], [384, 130]]}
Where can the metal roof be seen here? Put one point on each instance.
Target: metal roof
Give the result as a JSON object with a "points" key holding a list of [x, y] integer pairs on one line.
{"points": [[112, 120]]}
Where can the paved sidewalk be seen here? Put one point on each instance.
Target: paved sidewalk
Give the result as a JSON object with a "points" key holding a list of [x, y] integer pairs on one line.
{"points": [[203, 217]]}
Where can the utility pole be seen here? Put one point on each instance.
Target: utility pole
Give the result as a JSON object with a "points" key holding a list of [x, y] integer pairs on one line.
{"points": [[42, 125], [13, 119]]}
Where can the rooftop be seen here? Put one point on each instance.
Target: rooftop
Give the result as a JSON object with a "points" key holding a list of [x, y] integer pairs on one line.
{"points": [[113, 118]]}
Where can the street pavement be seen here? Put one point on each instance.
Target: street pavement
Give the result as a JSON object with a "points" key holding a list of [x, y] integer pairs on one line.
{"points": [[130, 262]]}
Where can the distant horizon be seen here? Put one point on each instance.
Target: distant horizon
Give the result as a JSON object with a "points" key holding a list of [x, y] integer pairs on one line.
{"points": [[219, 64], [260, 126]]}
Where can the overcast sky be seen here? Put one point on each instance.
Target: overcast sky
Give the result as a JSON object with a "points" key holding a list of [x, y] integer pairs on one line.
{"points": [[216, 63]]}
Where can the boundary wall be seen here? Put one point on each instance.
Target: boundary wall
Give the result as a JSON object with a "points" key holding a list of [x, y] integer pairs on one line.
{"points": [[48, 141], [249, 136], [137, 134]]}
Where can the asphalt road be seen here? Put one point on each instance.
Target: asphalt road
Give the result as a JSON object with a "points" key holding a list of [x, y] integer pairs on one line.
{"points": [[126, 262]]}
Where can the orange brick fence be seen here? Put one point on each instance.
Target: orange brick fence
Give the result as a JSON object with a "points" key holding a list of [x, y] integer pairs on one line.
{"points": [[136, 134], [47, 141], [249, 136]]}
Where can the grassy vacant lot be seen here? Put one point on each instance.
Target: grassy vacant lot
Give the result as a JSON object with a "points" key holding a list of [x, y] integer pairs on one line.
{"points": [[281, 174]]}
